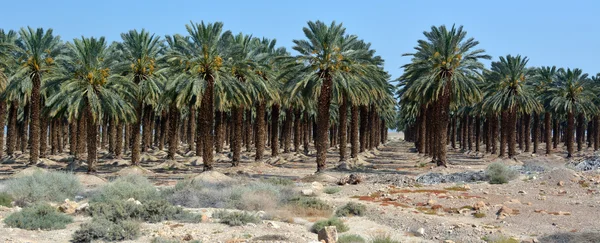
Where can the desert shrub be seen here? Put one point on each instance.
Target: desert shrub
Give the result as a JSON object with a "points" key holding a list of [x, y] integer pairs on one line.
{"points": [[479, 215], [5, 199], [339, 225], [332, 190], [252, 196], [271, 238], [500, 174], [561, 237], [280, 181], [151, 211], [235, 218], [351, 208], [130, 186], [41, 216], [310, 202], [384, 238], [106, 230], [43, 187], [351, 239]]}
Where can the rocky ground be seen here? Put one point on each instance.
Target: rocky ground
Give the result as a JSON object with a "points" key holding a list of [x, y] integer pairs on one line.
{"points": [[552, 200]]}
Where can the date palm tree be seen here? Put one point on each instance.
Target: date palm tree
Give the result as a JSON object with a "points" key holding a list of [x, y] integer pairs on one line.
{"points": [[89, 90], [139, 53], [8, 64], [444, 69], [38, 48], [543, 79], [572, 96]]}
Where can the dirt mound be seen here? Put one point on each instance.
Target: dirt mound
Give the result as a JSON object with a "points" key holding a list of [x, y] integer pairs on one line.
{"points": [[43, 162], [212, 177], [561, 174], [120, 162], [29, 171], [60, 158], [148, 158], [170, 165], [194, 161], [134, 170], [91, 180], [320, 177], [276, 161]]}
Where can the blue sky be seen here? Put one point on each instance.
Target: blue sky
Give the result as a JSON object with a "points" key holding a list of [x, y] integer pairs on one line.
{"points": [[561, 33]]}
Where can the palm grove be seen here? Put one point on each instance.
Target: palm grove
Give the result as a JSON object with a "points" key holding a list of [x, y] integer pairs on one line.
{"points": [[446, 95], [198, 93]]}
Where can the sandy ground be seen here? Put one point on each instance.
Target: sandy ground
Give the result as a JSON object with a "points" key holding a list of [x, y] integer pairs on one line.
{"points": [[397, 205]]}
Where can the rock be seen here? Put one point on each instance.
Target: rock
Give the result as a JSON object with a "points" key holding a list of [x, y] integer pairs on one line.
{"points": [[68, 207], [273, 225], [540, 211], [355, 179], [317, 186], [561, 183], [253, 225], [479, 206], [503, 212], [307, 192], [134, 201], [514, 201], [204, 219], [328, 234], [187, 237], [564, 213], [431, 202], [523, 192], [420, 232], [82, 207], [195, 161], [448, 241]]}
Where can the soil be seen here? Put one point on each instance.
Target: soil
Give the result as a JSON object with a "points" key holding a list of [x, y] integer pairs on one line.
{"points": [[406, 196]]}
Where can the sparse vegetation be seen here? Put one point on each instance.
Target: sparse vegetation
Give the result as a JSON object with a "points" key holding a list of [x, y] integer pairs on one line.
{"points": [[5, 199], [106, 230], [332, 190], [499, 239], [130, 186], [310, 202], [280, 181], [150, 211], [350, 238], [384, 238], [351, 209], [43, 187], [40, 216], [334, 221], [479, 215], [235, 218], [500, 174]]}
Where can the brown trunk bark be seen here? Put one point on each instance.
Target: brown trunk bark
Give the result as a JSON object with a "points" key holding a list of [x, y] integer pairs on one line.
{"points": [[275, 130], [119, 139], [477, 133], [569, 133], [11, 132], [324, 102], [92, 134], [297, 130], [364, 121], [146, 127], [135, 133], [191, 134], [512, 125], [237, 132], [35, 118], [173, 126], [306, 132], [25, 133], [112, 135], [504, 133], [580, 131], [343, 120], [526, 126], [261, 130], [536, 132], [82, 132], [287, 130], [44, 138], [548, 130], [73, 137], [354, 132], [556, 134], [207, 122]]}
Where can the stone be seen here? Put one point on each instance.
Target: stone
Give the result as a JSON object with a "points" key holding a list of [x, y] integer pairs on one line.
{"points": [[420, 232], [503, 212], [561, 183], [134, 201], [187, 237], [317, 186], [82, 207], [448, 241], [204, 219], [68, 207], [307, 192], [273, 225], [431, 202], [523, 192], [564, 213], [328, 234], [355, 179], [479, 206]]}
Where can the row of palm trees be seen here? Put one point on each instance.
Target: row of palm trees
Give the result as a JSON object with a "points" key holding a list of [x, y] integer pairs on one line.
{"points": [[446, 94], [205, 89]]}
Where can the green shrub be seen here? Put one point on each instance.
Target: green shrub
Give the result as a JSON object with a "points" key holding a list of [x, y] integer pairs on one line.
{"points": [[5, 199], [41, 216], [384, 238], [43, 187], [500, 174], [351, 208], [253, 196], [479, 215], [130, 186], [310, 202], [106, 230], [351, 239], [339, 225], [332, 190], [151, 211], [236, 218]]}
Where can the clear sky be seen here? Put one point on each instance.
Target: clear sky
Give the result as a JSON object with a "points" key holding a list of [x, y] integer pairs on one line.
{"points": [[561, 33]]}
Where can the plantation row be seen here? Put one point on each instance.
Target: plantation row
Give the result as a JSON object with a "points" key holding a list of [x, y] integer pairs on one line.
{"points": [[446, 95], [206, 89]]}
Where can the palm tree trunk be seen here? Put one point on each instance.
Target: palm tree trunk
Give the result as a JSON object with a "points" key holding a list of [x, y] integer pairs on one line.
{"points": [[477, 133], [453, 132], [354, 132], [173, 126], [556, 137], [73, 137], [82, 136], [191, 133], [275, 130], [219, 122], [260, 129], [44, 137], [164, 126], [373, 127], [237, 130], [11, 132], [590, 129], [324, 102], [512, 125], [112, 137], [343, 120], [35, 118], [364, 117], [53, 137], [135, 133], [504, 133], [207, 110], [306, 132], [469, 130], [297, 129], [548, 130], [127, 139], [119, 139], [580, 131], [536, 132], [287, 130], [526, 126], [92, 134], [596, 132], [248, 126], [569, 133], [104, 140], [2, 125], [25, 133], [146, 127]]}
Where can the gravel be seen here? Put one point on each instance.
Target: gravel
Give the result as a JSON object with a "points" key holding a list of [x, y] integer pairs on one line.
{"points": [[436, 178]]}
